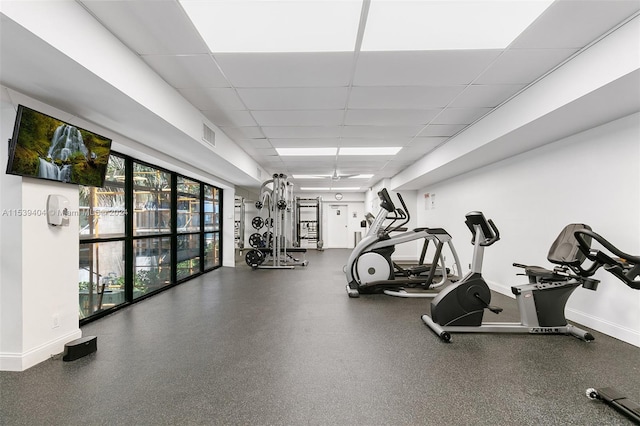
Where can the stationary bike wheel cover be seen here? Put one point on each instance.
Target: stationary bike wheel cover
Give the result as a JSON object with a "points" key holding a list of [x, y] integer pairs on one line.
{"points": [[372, 267], [468, 300]]}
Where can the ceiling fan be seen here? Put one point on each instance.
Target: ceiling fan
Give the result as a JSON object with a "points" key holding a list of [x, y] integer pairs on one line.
{"points": [[337, 176]]}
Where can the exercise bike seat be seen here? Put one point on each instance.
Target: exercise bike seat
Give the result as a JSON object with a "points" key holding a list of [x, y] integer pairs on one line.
{"points": [[538, 273]]}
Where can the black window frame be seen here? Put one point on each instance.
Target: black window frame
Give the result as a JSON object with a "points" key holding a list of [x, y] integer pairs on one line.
{"points": [[129, 238]]}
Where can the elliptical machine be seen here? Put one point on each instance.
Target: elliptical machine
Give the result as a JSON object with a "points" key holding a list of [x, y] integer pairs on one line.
{"points": [[541, 302], [371, 270]]}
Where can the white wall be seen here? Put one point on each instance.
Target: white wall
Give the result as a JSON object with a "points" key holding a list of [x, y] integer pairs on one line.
{"points": [[39, 273], [49, 273], [228, 230], [591, 177], [355, 213]]}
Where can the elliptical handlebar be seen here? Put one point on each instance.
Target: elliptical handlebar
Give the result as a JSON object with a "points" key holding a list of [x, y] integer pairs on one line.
{"points": [[393, 213], [404, 211], [626, 268]]}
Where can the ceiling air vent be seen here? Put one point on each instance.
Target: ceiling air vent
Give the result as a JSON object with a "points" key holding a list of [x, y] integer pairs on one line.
{"points": [[208, 135]]}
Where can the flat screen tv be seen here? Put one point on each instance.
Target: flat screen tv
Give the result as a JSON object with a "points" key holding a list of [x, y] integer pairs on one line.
{"points": [[47, 148]]}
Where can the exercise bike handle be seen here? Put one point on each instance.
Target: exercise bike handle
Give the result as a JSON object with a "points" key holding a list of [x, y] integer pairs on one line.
{"points": [[489, 229], [496, 234], [626, 268]]}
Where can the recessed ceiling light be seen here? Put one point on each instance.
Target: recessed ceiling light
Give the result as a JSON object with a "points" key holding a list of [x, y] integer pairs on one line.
{"points": [[371, 150], [276, 25], [446, 25], [314, 189], [306, 151], [346, 188]]}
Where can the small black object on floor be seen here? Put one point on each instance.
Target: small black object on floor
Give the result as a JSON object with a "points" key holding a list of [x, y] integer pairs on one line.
{"points": [[80, 347]]}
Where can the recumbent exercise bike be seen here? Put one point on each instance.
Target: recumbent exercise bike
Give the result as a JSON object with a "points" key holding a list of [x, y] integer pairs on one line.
{"points": [[460, 307]]}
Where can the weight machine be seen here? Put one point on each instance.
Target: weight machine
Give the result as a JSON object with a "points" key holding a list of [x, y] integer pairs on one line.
{"points": [[308, 214], [272, 249]]}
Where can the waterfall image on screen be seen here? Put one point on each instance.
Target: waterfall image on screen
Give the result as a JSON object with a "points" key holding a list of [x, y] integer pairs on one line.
{"points": [[66, 141], [47, 148]]}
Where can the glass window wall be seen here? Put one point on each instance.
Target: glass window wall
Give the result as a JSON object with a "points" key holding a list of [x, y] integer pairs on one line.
{"points": [[172, 234], [151, 200], [100, 277], [152, 265]]}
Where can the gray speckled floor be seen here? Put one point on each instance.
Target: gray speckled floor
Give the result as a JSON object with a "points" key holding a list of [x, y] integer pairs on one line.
{"points": [[288, 347]]}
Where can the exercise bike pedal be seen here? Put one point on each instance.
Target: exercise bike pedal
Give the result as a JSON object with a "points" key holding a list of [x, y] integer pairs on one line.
{"points": [[495, 309]]}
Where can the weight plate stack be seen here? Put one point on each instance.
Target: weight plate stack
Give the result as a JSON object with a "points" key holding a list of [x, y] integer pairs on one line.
{"points": [[254, 258], [257, 223], [256, 241]]}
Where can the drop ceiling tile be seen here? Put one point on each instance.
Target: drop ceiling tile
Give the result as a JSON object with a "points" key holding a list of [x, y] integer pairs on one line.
{"points": [[310, 142], [377, 132], [294, 98], [213, 99], [243, 132], [260, 143], [269, 152], [460, 115], [327, 69], [301, 132], [485, 96], [442, 129], [405, 97], [158, 27], [395, 117], [305, 165], [370, 162], [187, 71], [574, 24], [522, 66], [375, 142], [299, 118], [424, 68], [230, 118]]}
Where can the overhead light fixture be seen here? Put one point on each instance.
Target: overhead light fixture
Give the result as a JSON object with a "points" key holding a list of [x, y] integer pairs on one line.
{"points": [[448, 25], [310, 152], [347, 188], [306, 188], [276, 25], [310, 176], [370, 150], [360, 177]]}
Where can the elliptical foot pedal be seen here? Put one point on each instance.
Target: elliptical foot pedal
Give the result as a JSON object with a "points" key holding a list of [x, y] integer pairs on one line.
{"points": [[80, 347], [352, 292]]}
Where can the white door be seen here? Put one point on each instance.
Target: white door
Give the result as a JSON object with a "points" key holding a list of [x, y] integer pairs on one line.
{"points": [[337, 236]]}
